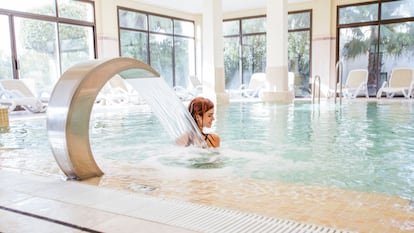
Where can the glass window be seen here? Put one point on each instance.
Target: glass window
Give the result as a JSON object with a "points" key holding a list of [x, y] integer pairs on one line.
{"points": [[231, 62], [254, 25], [134, 45], [41, 7], [77, 10], [168, 45], [184, 61], [396, 47], [299, 44], [299, 20], [299, 61], [160, 24], [231, 27], [76, 44], [358, 48], [161, 53], [253, 56], [397, 9], [37, 52], [244, 57], [130, 19], [358, 14], [184, 28], [44, 47], [6, 68]]}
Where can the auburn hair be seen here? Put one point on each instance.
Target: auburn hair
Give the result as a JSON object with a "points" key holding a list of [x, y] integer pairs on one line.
{"points": [[199, 105]]}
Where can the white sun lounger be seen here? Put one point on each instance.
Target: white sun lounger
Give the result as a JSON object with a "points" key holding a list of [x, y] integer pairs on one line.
{"points": [[194, 90], [14, 92], [117, 91], [356, 83], [401, 81], [256, 84]]}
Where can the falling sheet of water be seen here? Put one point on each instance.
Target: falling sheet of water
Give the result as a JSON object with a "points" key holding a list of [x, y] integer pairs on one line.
{"points": [[168, 108]]}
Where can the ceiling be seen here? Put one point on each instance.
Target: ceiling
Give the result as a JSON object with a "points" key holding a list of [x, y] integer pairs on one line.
{"points": [[196, 6]]}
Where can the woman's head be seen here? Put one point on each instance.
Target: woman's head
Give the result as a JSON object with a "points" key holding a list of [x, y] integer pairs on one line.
{"points": [[202, 110]]}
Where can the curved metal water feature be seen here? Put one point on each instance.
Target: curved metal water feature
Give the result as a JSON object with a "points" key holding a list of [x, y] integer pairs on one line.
{"points": [[70, 108]]}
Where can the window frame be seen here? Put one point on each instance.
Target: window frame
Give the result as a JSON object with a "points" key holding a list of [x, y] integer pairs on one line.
{"points": [[11, 14], [148, 32], [374, 23]]}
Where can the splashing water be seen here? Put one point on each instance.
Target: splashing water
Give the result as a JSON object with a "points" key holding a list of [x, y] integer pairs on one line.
{"points": [[170, 111]]}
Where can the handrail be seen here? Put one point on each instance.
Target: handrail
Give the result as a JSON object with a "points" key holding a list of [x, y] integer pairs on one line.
{"points": [[317, 77], [338, 69]]}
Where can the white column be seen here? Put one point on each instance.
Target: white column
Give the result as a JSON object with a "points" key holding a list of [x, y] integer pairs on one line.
{"points": [[213, 61], [277, 50], [323, 46], [107, 29]]}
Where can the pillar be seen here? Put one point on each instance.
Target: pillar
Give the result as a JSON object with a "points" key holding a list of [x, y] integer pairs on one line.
{"points": [[277, 53], [107, 29], [324, 45], [213, 61]]}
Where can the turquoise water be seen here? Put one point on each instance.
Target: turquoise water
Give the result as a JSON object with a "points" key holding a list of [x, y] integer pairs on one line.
{"points": [[359, 146]]}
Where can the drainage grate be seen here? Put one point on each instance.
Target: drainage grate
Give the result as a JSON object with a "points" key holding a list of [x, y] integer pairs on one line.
{"points": [[213, 219]]}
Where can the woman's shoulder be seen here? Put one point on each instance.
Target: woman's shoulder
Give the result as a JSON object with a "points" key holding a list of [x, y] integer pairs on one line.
{"points": [[213, 140]]}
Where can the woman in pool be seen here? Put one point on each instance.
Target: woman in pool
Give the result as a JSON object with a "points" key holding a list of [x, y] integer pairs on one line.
{"points": [[202, 111]]}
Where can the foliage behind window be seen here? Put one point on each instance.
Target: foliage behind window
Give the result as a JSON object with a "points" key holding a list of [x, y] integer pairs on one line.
{"points": [[167, 44]]}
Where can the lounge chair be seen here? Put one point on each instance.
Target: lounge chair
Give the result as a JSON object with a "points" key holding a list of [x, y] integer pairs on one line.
{"points": [[14, 92], [117, 91], [401, 81], [194, 90], [197, 86], [356, 84], [256, 84]]}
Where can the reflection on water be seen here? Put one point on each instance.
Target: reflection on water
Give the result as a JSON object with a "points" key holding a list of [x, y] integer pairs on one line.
{"points": [[359, 146]]}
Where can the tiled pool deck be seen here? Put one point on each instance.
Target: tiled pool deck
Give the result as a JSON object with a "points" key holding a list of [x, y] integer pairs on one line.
{"points": [[39, 204], [30, 203]]}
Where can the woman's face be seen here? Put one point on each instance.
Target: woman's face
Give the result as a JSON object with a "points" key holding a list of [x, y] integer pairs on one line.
{"points": [[208, 118]]}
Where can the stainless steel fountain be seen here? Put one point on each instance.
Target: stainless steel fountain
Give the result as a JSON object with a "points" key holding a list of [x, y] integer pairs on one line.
{"points": [[70, 107]]}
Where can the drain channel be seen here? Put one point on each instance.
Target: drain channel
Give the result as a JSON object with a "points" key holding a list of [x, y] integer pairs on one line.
{"points": [[210, 219]]}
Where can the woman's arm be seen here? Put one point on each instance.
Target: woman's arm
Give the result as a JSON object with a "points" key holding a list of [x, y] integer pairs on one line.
{"points": [[183, 140]]}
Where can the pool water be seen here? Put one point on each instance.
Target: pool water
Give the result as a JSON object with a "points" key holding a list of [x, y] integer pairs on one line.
{"points": [[363, 146]]}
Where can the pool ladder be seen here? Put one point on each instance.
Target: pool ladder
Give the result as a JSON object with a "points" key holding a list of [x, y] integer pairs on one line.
{"points": [[317, 78], [338, 69]]}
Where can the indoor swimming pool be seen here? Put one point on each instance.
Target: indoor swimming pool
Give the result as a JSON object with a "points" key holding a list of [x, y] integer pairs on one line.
{"points": [[274, 159], [363, 146]]}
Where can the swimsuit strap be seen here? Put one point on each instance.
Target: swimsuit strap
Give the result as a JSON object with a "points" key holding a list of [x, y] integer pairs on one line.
{"points": [[207, 138]]}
